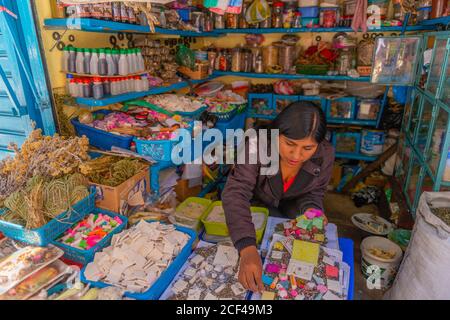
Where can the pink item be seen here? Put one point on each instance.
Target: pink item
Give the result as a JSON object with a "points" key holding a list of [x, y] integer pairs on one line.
{"points": [[273, 268], [118, 220], [283, 277], [360, 16], [297, 232], [310, 215], [331, 271], [322, 288], [293, 293]]}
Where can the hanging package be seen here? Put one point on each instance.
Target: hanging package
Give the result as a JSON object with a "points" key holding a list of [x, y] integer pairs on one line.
{"points": [[185, 57], [423, 273], [257, 12]]}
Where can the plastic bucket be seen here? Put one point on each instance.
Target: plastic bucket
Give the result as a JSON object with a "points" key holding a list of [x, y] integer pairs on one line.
{"points": [[372, 142], [380, 271], [309, 12]]}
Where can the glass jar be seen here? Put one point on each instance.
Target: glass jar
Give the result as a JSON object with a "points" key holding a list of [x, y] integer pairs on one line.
{"points": [[247, 60], [297, 20], [270, 56], [236, 60], [328, 17], [423, 14], [208, 23], [344, 62], [438, 7], [219, 21], [277, 15], [232, 21]]}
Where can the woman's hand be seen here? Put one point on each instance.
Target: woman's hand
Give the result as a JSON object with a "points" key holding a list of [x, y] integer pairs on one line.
{"points": [[250, 269]]}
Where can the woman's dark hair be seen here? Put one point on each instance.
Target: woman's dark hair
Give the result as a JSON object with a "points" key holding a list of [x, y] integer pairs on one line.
{"points": [[301, 120]]}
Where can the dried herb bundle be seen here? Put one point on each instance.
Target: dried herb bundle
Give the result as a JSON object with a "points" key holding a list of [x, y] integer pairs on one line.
{"points": [[111, 171], [45, 156]]}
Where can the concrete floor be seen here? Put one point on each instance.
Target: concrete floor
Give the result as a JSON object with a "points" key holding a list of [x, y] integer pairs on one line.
{"points": [[339, 209]]}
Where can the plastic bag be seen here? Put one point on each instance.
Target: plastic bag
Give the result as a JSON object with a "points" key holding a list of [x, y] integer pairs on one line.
{"points": [[258, 11], [185, 57]]}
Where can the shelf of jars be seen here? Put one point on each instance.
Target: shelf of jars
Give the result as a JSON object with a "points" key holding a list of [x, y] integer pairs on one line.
{"points": [[105, 26], [96, 25], [91, 102], [290, 76]]}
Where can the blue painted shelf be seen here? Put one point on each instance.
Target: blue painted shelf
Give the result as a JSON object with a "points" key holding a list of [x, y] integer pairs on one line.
{"points": [[288, 76], [340, 29], [434, 22], [355, 156], [91, 102], [353, 122], [95, 25]]}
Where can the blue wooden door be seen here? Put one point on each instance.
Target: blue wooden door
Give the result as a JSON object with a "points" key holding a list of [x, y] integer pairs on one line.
{"points": [[24, 96]]}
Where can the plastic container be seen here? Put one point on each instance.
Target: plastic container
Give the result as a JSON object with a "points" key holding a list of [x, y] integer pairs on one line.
{"points": [[342, 108], [44, 235], [220, 229], [185, 14], [372, 142], [329, 17], [423, 14], [192, 114], [347, 142], [158, 150], [387, 267], [308, 3], [316, 69], [191, 222], [382, 4], [308, 12], [164, 280], [368, 109], [225, 116], [99, 138], [86, 256]]}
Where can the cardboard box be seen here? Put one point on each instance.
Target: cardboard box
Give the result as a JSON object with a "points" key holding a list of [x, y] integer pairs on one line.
{"points": [[184, 190], [116, 199]]}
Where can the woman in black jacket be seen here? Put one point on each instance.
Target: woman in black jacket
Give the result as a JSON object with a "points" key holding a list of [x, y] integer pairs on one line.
{"points": [[305, 166]]}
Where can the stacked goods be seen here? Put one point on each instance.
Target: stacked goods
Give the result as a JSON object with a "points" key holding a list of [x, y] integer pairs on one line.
{"points": [[91, 230], [302, 270], [137, 257], [174, 102], [210, 274], [111, 171], [309, 227]]}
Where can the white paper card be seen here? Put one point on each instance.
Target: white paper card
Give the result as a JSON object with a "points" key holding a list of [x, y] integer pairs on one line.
{"points": [[328, 260], [334, 285], [300, 269], [226, 256], [194, 294], [330, 296], [277, 255]]}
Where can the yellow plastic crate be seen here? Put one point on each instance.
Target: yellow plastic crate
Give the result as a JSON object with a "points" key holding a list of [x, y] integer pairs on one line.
{"points": [[192, 223], [221, 229]]}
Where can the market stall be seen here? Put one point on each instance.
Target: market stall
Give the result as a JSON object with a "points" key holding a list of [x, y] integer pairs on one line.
{"points": [[103, 210]]}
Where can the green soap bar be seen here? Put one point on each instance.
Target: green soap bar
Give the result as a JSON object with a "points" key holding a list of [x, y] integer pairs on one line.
{"points": [[318, 223], [83, 244], [305, 224], [70, 240]]}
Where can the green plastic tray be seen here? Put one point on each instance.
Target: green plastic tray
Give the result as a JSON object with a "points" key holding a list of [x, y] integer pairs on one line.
{"points": [[188, 222], [221, 229]]}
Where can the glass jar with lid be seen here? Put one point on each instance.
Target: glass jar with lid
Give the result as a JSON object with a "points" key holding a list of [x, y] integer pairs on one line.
{"points": [[277, 15]]}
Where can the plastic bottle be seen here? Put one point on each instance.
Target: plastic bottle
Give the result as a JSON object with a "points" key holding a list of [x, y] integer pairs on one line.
{"points": [[123, 63], [107, 86], [93, 63], [129, 58], [65, 59], [145, 83], [80, 61], [116, 11], [131, 15], [68, 78], [124, 13], [73, 88], [135, 60], [116, 57], [79, 88], [102, 64], [113, 87], [162, 19], [87, 61], [141, 61], [87, 90], [97, 89], [72, 66], [110, 63], [108, 11]]}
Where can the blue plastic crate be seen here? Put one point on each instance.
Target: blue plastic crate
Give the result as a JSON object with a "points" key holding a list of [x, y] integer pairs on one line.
{"points": [[160, 285], [281, 97], [309, 12], [194, 115], [354, 135], [185, 14], [86, 256], [347, 106], [225, 116], [237, 122], [158, 150], [320, 101], [346, 246], [254, 98], [100, 138], [44, 235]]}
